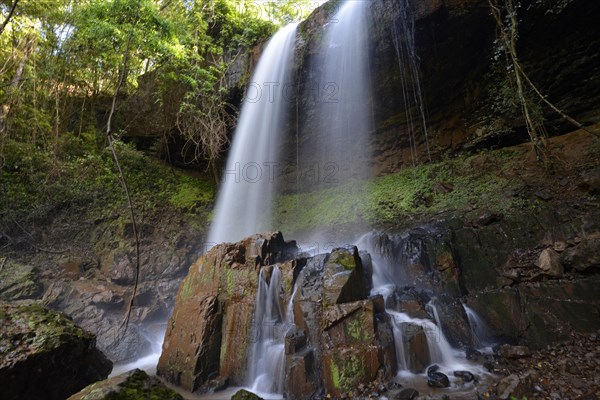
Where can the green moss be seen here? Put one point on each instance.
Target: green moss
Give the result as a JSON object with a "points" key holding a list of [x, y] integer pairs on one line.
{"points": [[140, 387], [412, 192], [347, 373], [356, 330]]}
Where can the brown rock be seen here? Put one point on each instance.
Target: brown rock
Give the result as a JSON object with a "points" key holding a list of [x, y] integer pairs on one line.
{"points": [[508, 351], [416, 347], [549, 262]]}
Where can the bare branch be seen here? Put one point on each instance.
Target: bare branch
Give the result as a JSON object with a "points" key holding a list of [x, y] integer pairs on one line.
{"points": [[8, 17]]}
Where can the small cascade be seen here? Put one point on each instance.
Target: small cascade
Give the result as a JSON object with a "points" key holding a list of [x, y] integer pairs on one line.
{"points": [[385, 282], [482, 338], [267, 359], [244, 204]]}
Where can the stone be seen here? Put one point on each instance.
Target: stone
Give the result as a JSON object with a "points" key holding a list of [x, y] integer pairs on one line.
{"points": [[210, 330], [549, 262], [438, 380], [45, 355], [18, 281], [591, 181], [466, 376], [245, 395], [135, 384], [406, 394], [343, 277], [415, 347], [511, 352], [585, 256]]}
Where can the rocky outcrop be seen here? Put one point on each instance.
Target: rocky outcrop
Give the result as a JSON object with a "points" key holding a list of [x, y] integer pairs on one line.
{"points": [[210, 330], [341, 338], [45, 356], [135, 384]]}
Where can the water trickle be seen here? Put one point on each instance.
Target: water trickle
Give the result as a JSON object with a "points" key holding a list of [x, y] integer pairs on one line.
{"points": [[482, 338], [267, 358], [244, 204], [403, 37]]}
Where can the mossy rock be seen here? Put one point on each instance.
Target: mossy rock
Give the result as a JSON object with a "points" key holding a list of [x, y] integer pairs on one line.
{"points": [[245, 395], [45, 355], [18, 282], [133, 385]]}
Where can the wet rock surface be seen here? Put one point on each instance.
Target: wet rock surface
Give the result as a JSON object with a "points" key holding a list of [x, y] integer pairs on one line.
{"points": [[44, 355]]}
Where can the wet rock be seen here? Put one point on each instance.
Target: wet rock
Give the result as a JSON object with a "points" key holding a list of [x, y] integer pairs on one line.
{"points": [[549, 262], [45, 356], [210, 330], [508, 351], [437, 380], [466, 376], [134, 384], [245, 395], [343, 277], [406, 394], [473, 354], [18, 281], [415, 347]]}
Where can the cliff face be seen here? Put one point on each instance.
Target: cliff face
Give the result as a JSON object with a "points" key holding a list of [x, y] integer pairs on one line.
{"points": [[445, 53]]}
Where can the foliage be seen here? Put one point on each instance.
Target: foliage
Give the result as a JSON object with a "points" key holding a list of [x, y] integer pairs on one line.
{"points": [[34, 183]]}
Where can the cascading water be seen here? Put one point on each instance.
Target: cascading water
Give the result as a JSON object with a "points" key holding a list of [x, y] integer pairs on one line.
{"points": [[244, 203], [384, 283], [479, 331], [266, 363]]}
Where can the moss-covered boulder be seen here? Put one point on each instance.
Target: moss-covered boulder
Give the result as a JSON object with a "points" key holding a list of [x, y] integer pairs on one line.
{"points": [[44, 355], [132, 385]]}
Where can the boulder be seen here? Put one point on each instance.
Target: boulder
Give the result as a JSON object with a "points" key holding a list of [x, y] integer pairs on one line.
{"points": [[437, 380], [135, 384], [210, 330], [549, 262], [45, 355], [508, 351], [415, 347], [343, 277]]}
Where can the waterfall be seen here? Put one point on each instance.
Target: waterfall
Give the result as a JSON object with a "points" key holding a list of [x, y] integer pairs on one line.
{"points": [[479, 330], [267, 358], [244, 204], [342, 100], [385, 283]]}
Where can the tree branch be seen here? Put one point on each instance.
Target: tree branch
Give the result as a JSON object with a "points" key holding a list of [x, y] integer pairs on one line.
{"points": [[8, 17], [113, 107]]}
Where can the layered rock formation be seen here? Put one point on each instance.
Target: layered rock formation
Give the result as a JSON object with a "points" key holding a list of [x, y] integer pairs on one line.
{"points": [[45, 356], [341, 337]]}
